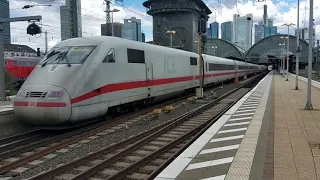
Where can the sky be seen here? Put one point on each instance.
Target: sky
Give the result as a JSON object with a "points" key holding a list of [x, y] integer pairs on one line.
{"points": [[281, 11]]}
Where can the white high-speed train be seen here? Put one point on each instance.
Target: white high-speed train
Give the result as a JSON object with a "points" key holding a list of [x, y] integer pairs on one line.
{"points": [[85, 78]]}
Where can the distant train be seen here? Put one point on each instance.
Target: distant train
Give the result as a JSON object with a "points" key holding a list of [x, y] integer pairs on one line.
{"points": [[85, 78], [270, 67], [19, 68]]}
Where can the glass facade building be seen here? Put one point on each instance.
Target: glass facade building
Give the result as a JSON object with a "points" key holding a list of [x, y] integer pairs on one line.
{"points": [[132, 29], [226, 31], [270, 31], [242, 31], [70, 19], [5, 13]]}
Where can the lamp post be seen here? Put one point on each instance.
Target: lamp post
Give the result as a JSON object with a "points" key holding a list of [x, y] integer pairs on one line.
{"points": [[309, 103], [171, 36], [2, 70], [288, 44], [298, 46], [112, 11], [281, 62], [214, 50]]}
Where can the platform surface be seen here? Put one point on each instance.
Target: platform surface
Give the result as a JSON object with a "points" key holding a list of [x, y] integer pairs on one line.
{"points": [[267, 135], [296, 131], [226, 150]]}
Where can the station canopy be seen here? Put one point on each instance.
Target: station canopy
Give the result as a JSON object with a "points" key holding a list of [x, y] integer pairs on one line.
{"points": [[223, 48], [272, 48]]}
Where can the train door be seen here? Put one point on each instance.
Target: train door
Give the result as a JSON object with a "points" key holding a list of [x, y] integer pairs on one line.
{"points": [[149, 74]]}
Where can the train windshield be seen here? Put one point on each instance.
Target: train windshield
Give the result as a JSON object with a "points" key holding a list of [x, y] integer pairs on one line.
{"points": [[67, 55]]}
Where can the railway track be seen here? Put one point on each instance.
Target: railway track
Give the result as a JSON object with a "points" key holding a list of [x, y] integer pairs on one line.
{"points": [[20, 151], [146, 154]]}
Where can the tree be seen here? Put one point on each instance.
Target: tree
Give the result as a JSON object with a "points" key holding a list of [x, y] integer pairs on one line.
{"points": [[9, 86]]}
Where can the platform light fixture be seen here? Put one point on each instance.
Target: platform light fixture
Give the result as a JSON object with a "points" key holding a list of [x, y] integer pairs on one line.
{"points": [[288, 44]]}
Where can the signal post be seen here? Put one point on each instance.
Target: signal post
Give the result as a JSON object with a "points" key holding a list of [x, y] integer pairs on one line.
{"points": [[2, 70]]}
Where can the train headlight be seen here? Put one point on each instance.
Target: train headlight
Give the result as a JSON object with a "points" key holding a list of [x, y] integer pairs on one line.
{"points": [[54, 94], [21, 93]]}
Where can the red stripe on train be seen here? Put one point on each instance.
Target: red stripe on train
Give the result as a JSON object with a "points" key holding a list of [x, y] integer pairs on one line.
{"points": [[139, 84], [40, 104]]}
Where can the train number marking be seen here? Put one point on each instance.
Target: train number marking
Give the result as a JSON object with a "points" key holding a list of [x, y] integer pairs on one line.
{"points": [[169, 64], [32, 104]]}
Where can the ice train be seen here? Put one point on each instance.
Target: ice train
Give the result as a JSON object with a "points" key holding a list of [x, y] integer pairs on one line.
{"points": [[85, 78]]}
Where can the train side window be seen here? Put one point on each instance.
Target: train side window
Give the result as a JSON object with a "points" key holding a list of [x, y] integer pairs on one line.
{"points": [[14, 63], [110, 58], [135, 56], [193, 61], [206, 67]]}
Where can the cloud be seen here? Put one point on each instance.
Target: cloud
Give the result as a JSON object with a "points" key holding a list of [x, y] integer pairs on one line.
{"points": [[281, 12], [93, 15]]}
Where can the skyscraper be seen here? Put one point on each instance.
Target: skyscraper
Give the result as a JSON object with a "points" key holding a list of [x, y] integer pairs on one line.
{"points": [[117, 29], [214, 30], [265, 15], [5, 13], [70, 19], [259, 32], [270, 31], [226, 31], [270, 22], [242, 30], [132, 29]]}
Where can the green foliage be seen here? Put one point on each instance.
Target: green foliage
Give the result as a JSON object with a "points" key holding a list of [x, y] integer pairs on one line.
{"points": [[9, 85]]}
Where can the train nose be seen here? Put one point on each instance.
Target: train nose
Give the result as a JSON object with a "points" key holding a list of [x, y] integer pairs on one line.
{"points": [[43, 105]]}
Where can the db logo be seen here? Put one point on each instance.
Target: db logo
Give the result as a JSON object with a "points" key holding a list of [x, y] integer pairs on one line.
{"points": [[32, 104]]}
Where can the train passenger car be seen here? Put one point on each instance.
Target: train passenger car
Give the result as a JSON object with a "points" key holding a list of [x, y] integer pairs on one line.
{"points": [[20, 67], [85, 78]]}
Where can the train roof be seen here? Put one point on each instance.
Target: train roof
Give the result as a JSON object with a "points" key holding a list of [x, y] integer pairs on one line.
{"points": [[23, 58]]}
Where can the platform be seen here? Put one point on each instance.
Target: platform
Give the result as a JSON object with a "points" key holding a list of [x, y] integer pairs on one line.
{"points": [[266, 135]]}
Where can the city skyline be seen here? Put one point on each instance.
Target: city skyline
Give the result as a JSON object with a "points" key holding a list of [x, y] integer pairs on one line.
{"points": [[93, 16]]}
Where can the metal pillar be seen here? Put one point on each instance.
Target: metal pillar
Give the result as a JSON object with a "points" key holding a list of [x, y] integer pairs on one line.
{"points": [[171, 39], [309, 102], [288, 55], [112, 24], [108, 16], [2, 70], [298, 48], [137, 32], [46, 42], [199, 91]]}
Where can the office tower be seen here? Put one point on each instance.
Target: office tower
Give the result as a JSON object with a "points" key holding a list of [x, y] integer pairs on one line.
{"points": [[117, 29], [242, 30], [226, 31], [259, 32], [70, 17], [132, 29], [213, 30], [5, 13]]}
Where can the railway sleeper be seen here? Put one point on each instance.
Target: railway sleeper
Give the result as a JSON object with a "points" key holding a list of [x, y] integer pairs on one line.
{"points": [[122, 164], [108, 172], [164, 139], [158, 161], [177, 132], [132, 158], [148, 169], [141, 153], [157, 143], [138, 176], [150, 147], [173, 136]]}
